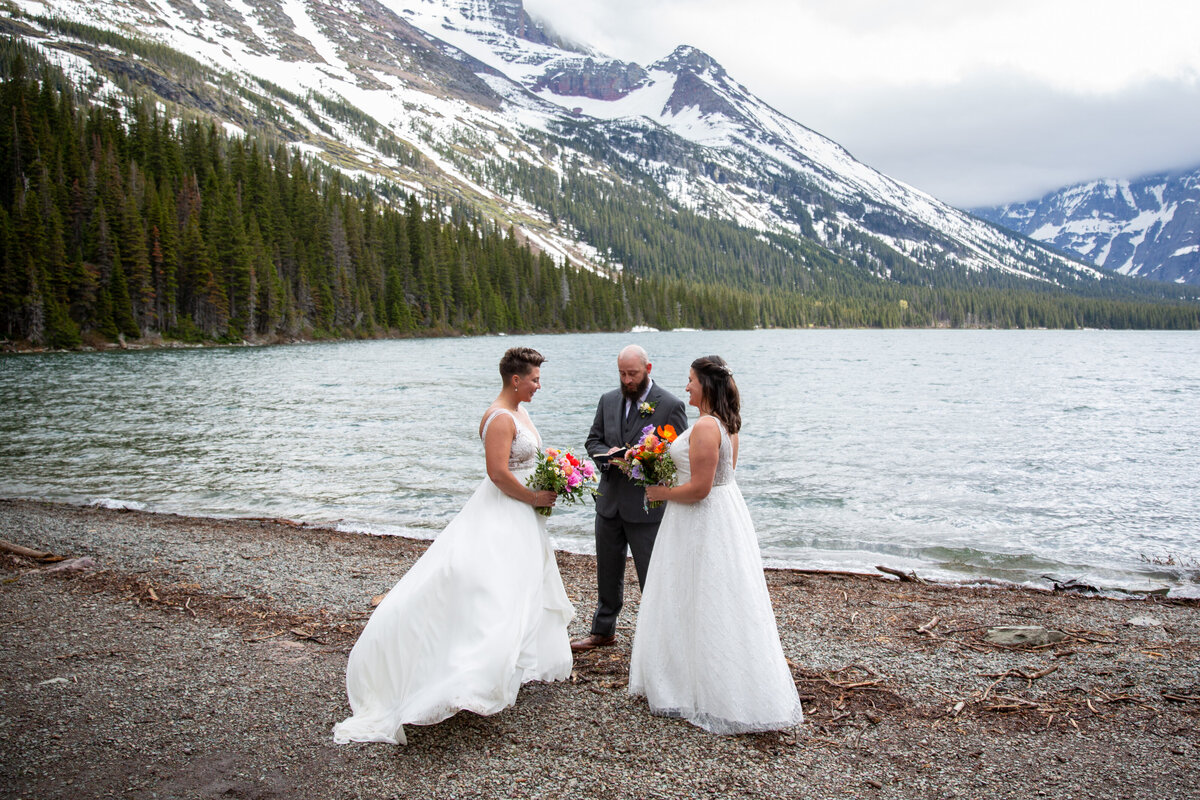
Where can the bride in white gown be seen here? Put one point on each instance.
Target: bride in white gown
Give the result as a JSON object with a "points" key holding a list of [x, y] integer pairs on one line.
{"points": [[706, 646], [483, 610]]}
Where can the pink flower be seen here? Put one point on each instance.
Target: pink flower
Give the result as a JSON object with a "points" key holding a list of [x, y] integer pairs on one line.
{"points": [[562, 472]]}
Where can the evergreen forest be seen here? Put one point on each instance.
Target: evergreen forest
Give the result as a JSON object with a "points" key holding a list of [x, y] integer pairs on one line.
{"points": [[118, 222]]}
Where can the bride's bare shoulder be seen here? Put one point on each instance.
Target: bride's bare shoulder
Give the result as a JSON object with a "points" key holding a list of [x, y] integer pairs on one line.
{"points": [[501, 415]]}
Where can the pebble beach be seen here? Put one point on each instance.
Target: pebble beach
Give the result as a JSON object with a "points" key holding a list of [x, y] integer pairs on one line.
{"points": [[159, 656]]}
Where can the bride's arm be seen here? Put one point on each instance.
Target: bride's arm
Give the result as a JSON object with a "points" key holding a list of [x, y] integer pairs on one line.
{"points": [[704, 448], [496, 446]]}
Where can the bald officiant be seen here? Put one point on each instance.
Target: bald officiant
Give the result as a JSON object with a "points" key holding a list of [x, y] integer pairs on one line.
{"points": [[623, 523]]}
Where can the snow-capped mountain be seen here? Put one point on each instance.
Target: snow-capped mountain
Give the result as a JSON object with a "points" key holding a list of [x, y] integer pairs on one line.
{"points": [[1149, 227], [475, 100]]}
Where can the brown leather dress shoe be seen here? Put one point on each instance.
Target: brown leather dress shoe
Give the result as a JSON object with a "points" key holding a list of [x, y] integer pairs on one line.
{"points": [[592, 642]]}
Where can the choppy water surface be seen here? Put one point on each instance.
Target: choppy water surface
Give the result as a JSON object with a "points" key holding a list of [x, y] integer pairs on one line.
{"points": [[1008, 455]]}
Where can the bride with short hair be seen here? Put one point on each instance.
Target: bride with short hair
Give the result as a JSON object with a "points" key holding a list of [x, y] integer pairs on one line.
{"points": [[483, 610]]}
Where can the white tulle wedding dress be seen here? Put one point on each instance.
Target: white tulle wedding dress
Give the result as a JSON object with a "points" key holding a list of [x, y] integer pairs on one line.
{"points": [[480, 613], [706, 646]]}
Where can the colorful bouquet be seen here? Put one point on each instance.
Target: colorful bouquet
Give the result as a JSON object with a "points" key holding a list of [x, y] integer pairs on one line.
{"points": [[649, 462], [559, 471]]}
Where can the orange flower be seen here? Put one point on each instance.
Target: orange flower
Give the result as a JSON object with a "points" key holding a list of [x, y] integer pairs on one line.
{"points": [[667, 432]]}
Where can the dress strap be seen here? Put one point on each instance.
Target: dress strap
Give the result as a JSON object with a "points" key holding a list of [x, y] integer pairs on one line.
{"points": [[492, 416]]}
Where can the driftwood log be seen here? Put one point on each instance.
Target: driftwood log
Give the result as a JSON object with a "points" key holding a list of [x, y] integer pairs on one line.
{"points": [[907, 577], [38, 555]]}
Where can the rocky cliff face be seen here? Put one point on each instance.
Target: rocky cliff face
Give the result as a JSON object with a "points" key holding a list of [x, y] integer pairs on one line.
{"points": [[513, 18], [1149, 227], [508, 15], [698, 75], [603, 80]]}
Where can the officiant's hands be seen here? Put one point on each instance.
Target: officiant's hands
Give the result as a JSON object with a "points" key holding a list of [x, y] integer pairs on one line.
{"points": [[604, 460]]}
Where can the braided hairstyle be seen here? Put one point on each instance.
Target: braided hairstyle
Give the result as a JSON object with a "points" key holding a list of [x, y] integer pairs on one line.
{"points": [[720, 391]]}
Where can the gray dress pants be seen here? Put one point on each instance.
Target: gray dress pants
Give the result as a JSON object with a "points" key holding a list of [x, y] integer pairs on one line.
{"points": [[614, 539]]}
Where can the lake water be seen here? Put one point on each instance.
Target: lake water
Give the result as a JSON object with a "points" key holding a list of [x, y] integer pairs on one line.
{"points": [[965, 455]]}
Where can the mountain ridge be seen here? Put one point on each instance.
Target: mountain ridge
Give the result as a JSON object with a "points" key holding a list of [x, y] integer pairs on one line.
{"points": [[1147, 227], [459, 97]]}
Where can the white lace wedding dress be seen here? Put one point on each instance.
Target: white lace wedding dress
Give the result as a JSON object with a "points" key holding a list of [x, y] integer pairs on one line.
{"points": [[706, 646], [480, 613]]}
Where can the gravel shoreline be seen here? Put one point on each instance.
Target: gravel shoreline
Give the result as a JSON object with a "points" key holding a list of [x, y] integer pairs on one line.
{"points": [[206, 658]]}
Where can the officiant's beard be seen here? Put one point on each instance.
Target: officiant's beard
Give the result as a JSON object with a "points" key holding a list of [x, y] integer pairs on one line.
{"points": [[636, 392]]}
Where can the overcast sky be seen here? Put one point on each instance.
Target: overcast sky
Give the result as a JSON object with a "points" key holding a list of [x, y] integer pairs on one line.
{"points": [[977, 103]]}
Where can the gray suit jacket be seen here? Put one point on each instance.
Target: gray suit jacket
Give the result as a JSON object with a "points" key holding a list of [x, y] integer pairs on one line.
{"points": [[619, 496]]}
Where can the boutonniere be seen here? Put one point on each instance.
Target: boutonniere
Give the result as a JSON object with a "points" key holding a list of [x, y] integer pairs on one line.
{"points": [[647, 408]]}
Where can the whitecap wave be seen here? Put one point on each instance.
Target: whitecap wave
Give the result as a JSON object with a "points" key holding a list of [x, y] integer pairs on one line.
{"points": [[117, 505]]}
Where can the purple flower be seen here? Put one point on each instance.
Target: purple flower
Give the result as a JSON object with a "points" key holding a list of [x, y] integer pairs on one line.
{"points": [[647, 430], [635, 472]]}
